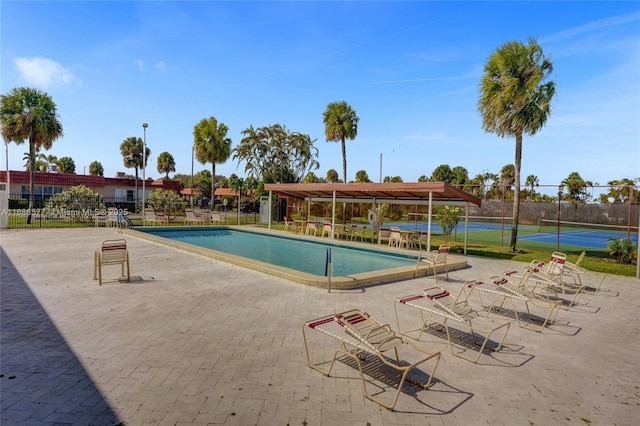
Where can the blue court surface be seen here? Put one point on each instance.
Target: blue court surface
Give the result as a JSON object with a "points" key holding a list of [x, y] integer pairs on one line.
{"points": [[579, 238], [592, 239], [472, 226]]}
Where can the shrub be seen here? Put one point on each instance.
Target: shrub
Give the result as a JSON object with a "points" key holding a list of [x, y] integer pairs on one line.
{"points": [[167, 202], [622, 250], [448, 218], [79, 201]]}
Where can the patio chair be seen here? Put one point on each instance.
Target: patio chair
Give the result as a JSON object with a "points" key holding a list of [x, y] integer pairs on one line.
{"points": [[327, 230], [150, 218], [419, 239], [384, 234], [348, 231], [192, 219], [312, 228], [113, 252], [363, 339], [433, 260], [504, 291], [102, 218], [440, 308], [112, 215], [360, 232], [395, 237], [215, 219]]}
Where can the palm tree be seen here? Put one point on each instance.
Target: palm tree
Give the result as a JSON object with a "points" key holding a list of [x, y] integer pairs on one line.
{"points": [[96, 169], [576, 190], [131, 151], [42, 165], [66, 165], [332, 176], [340, 123], [212, 146], [515, 99], [442, 173], [166, 163], [460, 175], [531, 182], [29, 114], [507, 178], [362, 177]]}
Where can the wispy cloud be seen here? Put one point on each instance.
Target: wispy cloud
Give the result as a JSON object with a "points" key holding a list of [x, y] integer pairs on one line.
{"points": [[591, 27], [45, 73], [418, 80], [140, 64], [161, 66]]}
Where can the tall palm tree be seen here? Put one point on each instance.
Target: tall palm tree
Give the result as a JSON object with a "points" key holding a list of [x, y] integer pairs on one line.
{"points": [[131, 150], [515, 99], [29, 114], [340, 123], [166, 163], [212, 146]]}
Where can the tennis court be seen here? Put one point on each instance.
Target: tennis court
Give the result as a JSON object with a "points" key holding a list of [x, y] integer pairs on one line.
{"points": [[571, 237], [586, 238]]}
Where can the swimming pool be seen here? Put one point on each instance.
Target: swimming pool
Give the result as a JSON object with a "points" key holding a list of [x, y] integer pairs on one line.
{"points": [[296, 258]]}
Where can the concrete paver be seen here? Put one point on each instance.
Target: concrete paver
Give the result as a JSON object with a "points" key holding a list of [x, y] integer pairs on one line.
{"points": [[193, 340]]}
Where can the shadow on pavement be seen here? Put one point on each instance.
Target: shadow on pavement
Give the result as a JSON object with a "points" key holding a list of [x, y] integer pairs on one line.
{"points": [[42, 380]]}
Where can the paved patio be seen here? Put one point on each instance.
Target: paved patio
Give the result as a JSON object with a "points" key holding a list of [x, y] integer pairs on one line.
{"points": [[193, 340]]}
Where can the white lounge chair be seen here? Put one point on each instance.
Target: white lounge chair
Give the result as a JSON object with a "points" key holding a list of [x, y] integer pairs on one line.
{"points": [[215, 219], [437, 306], [192, 219], [150, 218], [549, 279], [503, 291], [359, 335]]}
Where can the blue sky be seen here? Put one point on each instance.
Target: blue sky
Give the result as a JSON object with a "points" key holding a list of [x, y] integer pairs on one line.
{"points": [[411, 70]]}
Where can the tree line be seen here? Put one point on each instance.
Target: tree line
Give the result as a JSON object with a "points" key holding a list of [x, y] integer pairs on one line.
{"points": [[515, 96]]}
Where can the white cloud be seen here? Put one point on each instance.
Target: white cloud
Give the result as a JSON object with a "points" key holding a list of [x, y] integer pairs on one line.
{"points": [[140, 64], [161, 66], [45, 73]]}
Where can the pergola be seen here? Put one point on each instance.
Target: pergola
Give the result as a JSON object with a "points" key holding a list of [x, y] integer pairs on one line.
{"points": [[410, 193]]}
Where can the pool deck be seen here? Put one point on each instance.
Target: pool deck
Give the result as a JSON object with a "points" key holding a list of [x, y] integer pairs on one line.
{"points": [[193, 340]]}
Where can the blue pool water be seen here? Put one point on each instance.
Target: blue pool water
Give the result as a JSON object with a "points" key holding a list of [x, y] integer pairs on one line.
{"points": [[300, 255]]}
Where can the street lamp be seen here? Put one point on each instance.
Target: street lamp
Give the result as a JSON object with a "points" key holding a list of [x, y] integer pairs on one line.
{"points": [[144, 161], [192, 153]]}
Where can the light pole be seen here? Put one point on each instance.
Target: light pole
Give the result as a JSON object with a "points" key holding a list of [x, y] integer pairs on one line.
{"points": [[192, 154], [8, 185], [144, 161], [380, 167]]}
